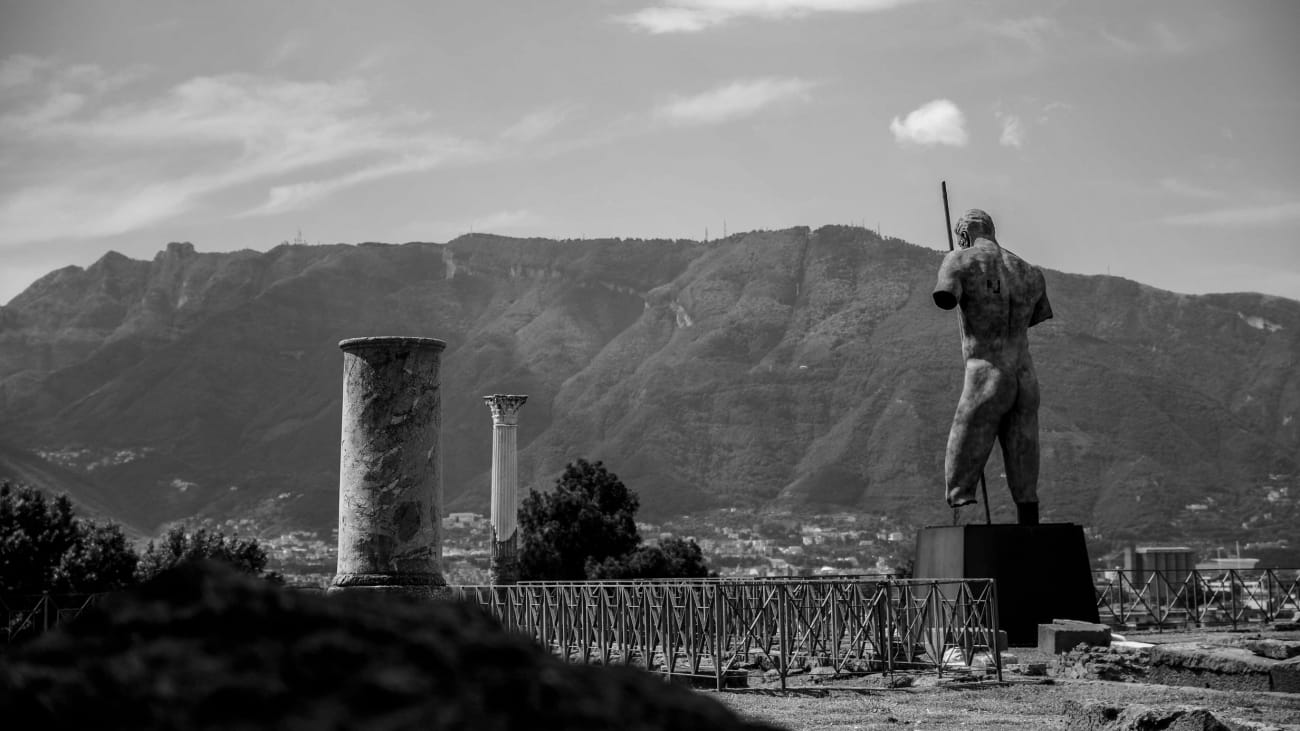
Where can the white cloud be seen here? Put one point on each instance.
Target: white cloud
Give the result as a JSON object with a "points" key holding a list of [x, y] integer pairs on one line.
{"points": [[1052, 108], [939, 122], [20, 70], [288, 48], [689, 16], [1119, 43], [1155, 37], [1032, 31], [85, 209], [1260, 215], [506, 220], [734, 101], [83, 165], [295, 196], [673, 20], [1013, 131], [537, 124], [1185, 189], [1168, 40]]}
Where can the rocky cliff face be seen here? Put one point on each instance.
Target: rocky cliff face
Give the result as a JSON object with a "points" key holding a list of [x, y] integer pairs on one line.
{"points": [[797, 368]]}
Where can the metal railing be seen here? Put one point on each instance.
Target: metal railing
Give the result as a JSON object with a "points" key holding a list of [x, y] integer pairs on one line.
{"points": [[28, 616], [712, 628], [1194, 597]]}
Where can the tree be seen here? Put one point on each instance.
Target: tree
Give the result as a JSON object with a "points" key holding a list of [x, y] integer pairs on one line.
{"points": [[45, 547], [588, 517], [673, 558], [180, 546]]}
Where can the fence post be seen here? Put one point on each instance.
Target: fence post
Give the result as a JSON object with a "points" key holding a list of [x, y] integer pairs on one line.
{"points": [[1270, 612], [670, 661], [1123, 616], [718, 632], [648, 629], [783, 615], [890, 620], [544, 597], [1232, 584], [993, 613]]}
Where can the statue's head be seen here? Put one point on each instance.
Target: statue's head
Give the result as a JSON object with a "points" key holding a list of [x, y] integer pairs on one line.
{"points": [[972, 225]]}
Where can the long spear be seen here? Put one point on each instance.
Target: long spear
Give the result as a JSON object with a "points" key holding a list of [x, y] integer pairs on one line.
{"points": [[984, 488]]}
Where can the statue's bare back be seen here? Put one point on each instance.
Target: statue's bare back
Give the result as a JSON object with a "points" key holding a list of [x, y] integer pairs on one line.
{"points": [[1000, 297]]}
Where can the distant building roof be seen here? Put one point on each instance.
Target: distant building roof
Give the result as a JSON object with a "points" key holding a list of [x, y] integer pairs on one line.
{"points": [[1227, 563]]}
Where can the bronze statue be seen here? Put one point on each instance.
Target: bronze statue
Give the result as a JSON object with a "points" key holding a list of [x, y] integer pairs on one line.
{"points": [[1001, 296]]}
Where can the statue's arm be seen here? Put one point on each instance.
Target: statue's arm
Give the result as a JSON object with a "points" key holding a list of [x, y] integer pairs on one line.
{"points": [[947, 291], [1042, 308]]}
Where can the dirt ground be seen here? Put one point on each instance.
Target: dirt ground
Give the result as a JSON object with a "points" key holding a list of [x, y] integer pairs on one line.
{"points": [[1014, 705], [1019, 703]]}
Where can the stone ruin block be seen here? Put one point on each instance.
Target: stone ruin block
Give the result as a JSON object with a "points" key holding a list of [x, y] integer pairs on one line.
{"points": [[1273, 648], [1063, 635], [1097, 716], [1202, 665], [1284, 677]]}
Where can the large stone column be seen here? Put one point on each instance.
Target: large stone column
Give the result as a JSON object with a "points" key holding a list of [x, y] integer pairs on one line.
{"points": [[390, 467], [505, 487]]}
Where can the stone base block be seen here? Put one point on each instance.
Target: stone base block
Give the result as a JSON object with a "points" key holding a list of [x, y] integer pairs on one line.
{"points": [[1285, 676], [1210, 666], [1064, 635], [1042, 571]]}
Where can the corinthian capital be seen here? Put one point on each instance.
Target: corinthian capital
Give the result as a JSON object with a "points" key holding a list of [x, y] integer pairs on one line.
{"points": [[505, 408]]}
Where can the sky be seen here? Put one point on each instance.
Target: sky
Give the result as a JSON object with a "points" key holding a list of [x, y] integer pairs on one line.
{"points": [[1157, 141]]}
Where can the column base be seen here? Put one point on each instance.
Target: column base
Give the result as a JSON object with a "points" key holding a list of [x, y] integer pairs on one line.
{"points": [[422, 586], [411, 592], [504, 571]]}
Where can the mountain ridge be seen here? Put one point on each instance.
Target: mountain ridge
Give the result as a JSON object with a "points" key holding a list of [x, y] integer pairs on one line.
{"points": [[792, 369]]}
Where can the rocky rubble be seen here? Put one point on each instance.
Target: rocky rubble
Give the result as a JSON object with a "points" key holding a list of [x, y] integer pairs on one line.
{"points": [[1105, 717], [1102, 663]]}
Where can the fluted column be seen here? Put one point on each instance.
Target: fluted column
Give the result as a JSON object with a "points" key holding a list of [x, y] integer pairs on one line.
{"points": [[390, 467], [505, 487]]}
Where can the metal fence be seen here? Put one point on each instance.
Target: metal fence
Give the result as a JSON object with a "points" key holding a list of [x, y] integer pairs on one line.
{"points": [[29, 616], [1218, 598], [713, 628]]}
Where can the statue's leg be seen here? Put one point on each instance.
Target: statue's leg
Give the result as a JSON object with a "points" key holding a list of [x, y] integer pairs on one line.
{"points": [[986, 396], [1019, 438]]}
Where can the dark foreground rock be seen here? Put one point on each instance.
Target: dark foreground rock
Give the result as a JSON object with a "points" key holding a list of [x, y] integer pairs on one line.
{"points": [[203, 647]]}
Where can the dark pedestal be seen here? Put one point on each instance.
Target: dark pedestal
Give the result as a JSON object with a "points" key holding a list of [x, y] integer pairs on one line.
{"points": [[1042, 571]]}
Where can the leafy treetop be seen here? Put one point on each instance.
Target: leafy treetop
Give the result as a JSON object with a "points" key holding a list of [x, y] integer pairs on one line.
{"points": [[586, 529], [44, 547]]}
